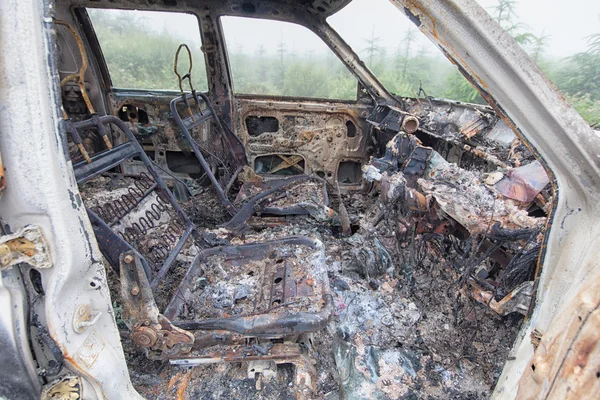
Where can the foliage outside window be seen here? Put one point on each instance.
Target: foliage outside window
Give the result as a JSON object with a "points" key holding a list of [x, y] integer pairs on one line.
{"points": [[139, 47], [283, 59], [576, 70], [397, 53], [405, 61]]}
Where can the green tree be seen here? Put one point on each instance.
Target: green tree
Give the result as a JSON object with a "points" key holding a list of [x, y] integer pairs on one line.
{"points": [[372, 48], [409, 38], [505, 14], [538, 46], [140, 57], [281, 64]]}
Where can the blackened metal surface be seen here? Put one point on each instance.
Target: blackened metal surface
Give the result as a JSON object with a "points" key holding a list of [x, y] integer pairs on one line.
{"points": [[284, 283], [238, 222], [267, 325], [257, 125], [416, 164], [386, 118], [18, 378], [172, 255], [111, 245], [397, 152], [279, 352], [104, 161], [215, 154], [289, 206]]}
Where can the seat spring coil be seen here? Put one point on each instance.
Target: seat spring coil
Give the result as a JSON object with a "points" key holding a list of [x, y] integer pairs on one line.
{"points": [[118, 208]]}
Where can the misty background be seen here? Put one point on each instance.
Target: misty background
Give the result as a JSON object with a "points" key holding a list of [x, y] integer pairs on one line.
{"points": [[278, 58]]}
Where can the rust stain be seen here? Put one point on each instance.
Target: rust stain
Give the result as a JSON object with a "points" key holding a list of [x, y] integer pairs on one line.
{"points": [[20, 245], [83, 371], [183, 386], [413, 5], [566, 363], [180, 380]]}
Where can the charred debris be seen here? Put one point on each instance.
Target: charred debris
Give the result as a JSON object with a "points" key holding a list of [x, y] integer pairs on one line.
{"points": [[410, 281], [416, 285]]}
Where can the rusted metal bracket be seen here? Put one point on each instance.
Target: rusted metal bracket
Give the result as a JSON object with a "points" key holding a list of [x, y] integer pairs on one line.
{"points": [[279, 352], [25, 246], [151, 330]]}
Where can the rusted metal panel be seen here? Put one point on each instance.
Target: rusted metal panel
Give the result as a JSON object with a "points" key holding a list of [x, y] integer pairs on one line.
{"points": [[317, 131], [566, 362]]}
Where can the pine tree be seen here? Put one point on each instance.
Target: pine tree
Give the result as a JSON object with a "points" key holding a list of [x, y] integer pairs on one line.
{"points": [[409, 37], [373, 47]]}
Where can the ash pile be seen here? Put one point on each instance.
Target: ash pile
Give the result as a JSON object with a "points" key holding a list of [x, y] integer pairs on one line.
{"points": [[433, 286]]}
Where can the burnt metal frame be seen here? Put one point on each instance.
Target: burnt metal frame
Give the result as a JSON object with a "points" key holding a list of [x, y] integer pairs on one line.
{"points": [[258, 325], [198, 118], [113, 246], [110, 243]]}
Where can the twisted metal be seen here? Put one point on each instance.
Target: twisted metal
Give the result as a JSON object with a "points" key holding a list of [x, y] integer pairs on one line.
{"points": [[115, 210]]}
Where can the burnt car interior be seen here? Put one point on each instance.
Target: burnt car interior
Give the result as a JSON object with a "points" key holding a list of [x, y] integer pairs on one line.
{"points": [[385, 245]]}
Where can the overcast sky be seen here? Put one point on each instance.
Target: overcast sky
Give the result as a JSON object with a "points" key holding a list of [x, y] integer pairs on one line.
{"points": [[567, 22]]}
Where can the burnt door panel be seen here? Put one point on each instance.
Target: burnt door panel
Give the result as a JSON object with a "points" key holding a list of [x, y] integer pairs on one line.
{"points": [[285, 137]]}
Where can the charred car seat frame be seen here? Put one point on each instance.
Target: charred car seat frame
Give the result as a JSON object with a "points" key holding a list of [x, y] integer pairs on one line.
{"points": [[223, 158], [153, 331]]}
